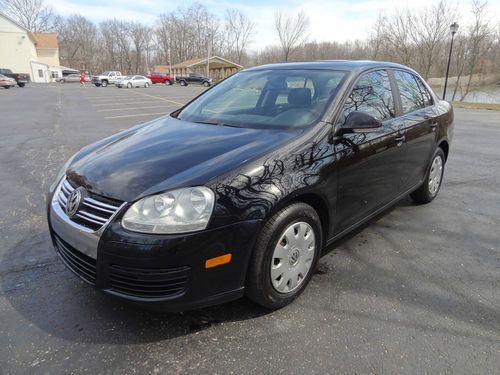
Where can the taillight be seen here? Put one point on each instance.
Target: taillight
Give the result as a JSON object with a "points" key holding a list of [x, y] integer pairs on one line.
{"points": [[18, 76]]}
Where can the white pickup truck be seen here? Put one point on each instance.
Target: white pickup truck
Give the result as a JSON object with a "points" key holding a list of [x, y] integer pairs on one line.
{"points": [[107, 78]]}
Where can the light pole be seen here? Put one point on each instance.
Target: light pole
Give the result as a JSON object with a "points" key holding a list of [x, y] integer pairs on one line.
{"points": [[453, 29]]}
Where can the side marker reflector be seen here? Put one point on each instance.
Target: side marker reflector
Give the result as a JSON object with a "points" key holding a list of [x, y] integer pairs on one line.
{"points": [[218, 261]]}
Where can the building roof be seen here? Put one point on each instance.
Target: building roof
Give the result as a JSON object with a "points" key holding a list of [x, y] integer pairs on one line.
{"points": [[46, 40], [203, 60]]}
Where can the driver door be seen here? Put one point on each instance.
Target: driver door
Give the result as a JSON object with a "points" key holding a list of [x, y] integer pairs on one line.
{"points": [[369, 163]]}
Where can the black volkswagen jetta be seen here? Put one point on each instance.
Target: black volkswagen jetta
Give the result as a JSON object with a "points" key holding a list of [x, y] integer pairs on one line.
{"points": [[240, 190]]}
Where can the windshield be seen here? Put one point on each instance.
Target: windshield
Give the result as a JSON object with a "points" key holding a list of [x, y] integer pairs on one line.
{"points": [[266, 99], [126, 77]]}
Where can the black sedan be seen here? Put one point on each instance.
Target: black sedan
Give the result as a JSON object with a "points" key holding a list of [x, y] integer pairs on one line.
{"points": [[239, 191]]}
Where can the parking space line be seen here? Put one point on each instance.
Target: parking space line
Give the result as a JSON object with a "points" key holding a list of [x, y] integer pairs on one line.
{"points": [[118, 103], [134, 108], [138, 115], [157, 97]]}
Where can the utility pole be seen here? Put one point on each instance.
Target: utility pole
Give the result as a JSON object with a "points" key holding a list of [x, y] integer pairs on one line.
{"points": [[208, 54]]}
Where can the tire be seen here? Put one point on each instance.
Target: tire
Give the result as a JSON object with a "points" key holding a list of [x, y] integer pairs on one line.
{"points": [[183, 83], [97, 84], [104, 83], [432, 181], [168, 82], [21, 84], [62, 81], [206, 84], [6, 87], [277, 289], [146, 85], [129, 85]]}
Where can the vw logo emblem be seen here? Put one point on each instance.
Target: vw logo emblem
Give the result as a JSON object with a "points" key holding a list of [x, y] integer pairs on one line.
{"points": [[74, 201]]}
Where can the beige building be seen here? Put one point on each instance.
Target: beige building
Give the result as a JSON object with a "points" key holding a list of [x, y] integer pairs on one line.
{"points": [[25, 52], [220, 68]]}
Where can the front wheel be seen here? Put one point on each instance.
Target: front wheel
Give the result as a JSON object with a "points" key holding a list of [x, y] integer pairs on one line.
{"points": [[129, 85], [168, 82], [146, 85], [21, 84], [432, 181], [285, 256], [206, 84], [6, 87], [97, 84], [183, 83], [104, 84]]}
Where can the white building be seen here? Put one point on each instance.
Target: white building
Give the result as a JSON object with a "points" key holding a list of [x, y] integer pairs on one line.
{"points": [[25, 52]]}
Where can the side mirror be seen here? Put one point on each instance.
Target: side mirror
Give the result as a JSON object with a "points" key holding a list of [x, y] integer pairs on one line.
{"points": [[360, 121]]}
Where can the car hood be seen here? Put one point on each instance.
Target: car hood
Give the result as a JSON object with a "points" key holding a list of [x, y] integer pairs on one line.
{"points": [[169, 153]]}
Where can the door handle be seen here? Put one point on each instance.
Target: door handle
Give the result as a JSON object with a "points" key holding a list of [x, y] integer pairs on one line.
{"points": [[399, 140], [434, 125]]}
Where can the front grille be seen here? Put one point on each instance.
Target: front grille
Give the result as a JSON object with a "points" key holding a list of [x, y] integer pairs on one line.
{"points": [[149, 283], [79, 263], [95, 210]]}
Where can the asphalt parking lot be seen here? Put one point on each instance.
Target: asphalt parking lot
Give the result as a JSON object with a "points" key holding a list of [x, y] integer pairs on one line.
{"points": [[414, 291]]}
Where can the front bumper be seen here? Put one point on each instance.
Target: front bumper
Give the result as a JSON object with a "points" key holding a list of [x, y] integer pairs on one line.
{"points": [[162, 272]]}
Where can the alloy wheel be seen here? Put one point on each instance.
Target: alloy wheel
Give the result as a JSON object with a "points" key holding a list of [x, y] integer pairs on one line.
{"points": [[435, 175]]}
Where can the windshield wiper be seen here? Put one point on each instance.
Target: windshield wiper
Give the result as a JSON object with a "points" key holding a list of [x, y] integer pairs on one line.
{"points": [[218, 124]]}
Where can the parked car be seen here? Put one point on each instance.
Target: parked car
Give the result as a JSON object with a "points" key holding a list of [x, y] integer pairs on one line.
{"points": [[21, 78], [193, 79], [161, 78], [133, 81], [106, 78], [239, 191], [7, 82], [72, 78]]}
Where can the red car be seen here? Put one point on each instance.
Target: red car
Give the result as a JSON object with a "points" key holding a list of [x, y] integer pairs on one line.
{"points": [[161, 78]]}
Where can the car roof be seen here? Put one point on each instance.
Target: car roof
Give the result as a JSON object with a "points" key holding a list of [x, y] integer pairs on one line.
{"points": [[348, 65]]}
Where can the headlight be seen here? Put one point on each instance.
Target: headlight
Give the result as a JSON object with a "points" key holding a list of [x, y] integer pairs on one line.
{"points": [[176, 211]]}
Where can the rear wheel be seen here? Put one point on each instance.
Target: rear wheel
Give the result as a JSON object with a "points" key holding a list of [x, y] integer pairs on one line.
{"points": [[432, 181], [21, 84], [6, 87], [146, 85], [285, 256], [206, 83], [129, 85], [183, 83]]}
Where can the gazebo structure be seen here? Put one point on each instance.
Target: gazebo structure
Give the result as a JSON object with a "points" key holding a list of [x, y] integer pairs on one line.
{"points": [[219, 68]]}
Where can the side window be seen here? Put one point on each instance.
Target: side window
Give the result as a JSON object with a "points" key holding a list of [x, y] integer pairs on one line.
{"points": [[411, 96], [372, 94], [425, 93]]}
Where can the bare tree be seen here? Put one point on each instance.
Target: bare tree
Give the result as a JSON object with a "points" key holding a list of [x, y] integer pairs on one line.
{"points": [[429, 29], [239, 30], [35, 15], [139, 35], [479, 35], [292, 31], [78, 42]]}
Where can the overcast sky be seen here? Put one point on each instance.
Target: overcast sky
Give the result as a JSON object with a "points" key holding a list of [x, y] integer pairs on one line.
{"points": [[338, 20]]}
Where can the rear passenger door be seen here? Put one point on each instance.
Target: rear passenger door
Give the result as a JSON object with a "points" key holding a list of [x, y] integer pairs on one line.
{"points": [[419, 126], [369, 163]]}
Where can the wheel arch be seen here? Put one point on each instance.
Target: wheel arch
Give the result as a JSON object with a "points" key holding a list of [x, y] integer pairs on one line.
{"points": [[445, 146], [316, 201]]}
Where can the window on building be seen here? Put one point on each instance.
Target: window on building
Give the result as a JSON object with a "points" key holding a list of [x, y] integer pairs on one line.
{"points": [[40, 73]]}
